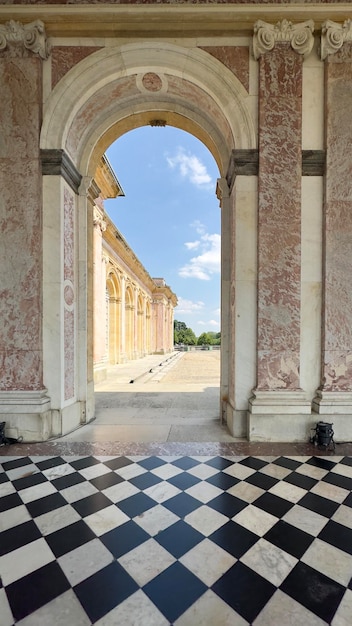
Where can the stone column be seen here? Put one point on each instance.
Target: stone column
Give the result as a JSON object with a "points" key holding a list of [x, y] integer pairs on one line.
{"points": [[334, 397], [24, 403], [122, 324], [280, 50], [99, 298]]}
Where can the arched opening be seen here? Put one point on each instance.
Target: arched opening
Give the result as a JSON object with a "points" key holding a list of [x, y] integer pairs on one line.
{"points": [[107, 94]]}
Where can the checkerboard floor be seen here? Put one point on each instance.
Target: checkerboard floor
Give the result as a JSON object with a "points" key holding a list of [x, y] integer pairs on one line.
{"points": [[185, 540]]}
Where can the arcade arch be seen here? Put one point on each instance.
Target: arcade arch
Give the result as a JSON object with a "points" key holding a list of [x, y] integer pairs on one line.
{"points": [[107, 94]]}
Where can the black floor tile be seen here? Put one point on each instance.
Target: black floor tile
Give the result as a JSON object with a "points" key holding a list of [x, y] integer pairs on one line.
{"points": [[15, 463], [185, 463], [183, 481], [223, 481], [143, 481], [28, 594], [289, 538], [136, 505], [305, 482], [49, 463], [118, 462], [10, 502], [69, 538], [263, 481], [18, 536], [227, 504], [288, 463], [3, 478], [253, 462], [318, 504], [101, 592], [219, 463], [273, 504], [337, 535], [106, 480], [152, 462], [314, 590], [348, 500], [29, 481], [324, 464], [69, 480], [124, 538], [339, 481], [234, 538], [85, 462], [44, 505], [244, 590], [91, 504], [174, 591], [179, 538], [182, 504], [347, 460]]}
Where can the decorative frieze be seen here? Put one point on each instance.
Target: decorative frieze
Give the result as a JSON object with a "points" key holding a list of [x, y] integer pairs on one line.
{"points": [[299, 36], [333, 36], [19, 37]]}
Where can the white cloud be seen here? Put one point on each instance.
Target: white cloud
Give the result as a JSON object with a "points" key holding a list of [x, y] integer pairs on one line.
{"points": [[192, 245], [187, 306], [190, 167], [207, 263], [213, 323]]}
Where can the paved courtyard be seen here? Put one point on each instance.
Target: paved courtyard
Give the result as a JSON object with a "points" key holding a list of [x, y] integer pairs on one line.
{"points": [[172, 398]]}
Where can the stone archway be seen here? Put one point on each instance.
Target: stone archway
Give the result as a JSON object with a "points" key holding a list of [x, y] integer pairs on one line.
{"points": [[105, 95]]}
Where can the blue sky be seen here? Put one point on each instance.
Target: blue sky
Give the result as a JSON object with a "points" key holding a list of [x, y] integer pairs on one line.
{"points": [[170, 216]]}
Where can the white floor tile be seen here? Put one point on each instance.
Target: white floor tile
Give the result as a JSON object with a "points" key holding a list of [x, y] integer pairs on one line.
{"points": [[146, 561]]}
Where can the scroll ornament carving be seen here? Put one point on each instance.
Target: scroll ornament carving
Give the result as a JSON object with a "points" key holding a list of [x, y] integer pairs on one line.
{"points": [[333, 36], [266, 36], [30, 36], [98, 220]]}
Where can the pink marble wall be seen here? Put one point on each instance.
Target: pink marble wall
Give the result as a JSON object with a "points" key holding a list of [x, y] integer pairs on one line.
{"points": [[69, 286], [20, 223], [109, 97], [337, 321], [279, 221], [63, 58], [236, 59]]}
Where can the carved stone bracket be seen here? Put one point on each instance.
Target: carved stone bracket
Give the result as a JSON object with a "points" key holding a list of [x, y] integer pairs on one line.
{"points": [[99, 221], [333, 36], [14, 35], [266, 36]]}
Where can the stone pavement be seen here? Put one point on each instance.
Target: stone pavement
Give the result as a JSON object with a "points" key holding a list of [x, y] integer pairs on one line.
{"points": [[158, 399]]}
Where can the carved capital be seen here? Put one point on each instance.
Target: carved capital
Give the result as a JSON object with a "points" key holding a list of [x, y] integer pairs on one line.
{"points": [[19, 37], [266, 36], [333, 36], [98, 219]]}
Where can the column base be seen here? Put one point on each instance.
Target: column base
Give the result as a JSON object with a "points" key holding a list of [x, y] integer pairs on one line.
{"points": [[333, 402], [279, 416], [27, 414]]}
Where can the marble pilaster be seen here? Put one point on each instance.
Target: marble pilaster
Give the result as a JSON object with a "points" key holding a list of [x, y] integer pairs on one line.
{"points": [[22, 392], [280, 50], [335, 392]]}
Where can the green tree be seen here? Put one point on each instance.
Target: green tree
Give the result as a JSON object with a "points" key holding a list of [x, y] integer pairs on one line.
{"points": [[204, 339], [183, 334]]}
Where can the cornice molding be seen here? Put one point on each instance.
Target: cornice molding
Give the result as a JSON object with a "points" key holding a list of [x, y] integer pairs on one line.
{"points": [[333, 36], [18, 37], [299, 36], [56, 162], [246, 163], [313, 162]]}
